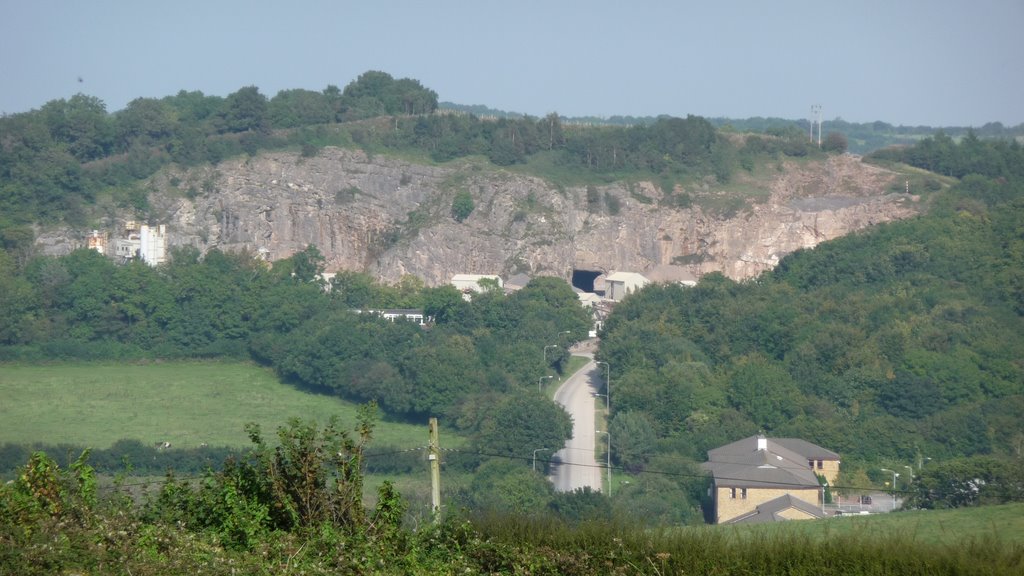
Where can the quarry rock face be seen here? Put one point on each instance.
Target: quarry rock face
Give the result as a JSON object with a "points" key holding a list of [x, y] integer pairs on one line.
{"points": [[389, 217]]}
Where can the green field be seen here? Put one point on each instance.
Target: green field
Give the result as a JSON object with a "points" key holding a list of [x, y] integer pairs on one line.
{"points": [[953, 528], [184, 403]]}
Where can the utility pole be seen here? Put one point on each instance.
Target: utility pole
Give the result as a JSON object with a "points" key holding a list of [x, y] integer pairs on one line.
{"points": [[816, 117], [435, 472], [819, 126], [609, 465], [607, 384], [810, 130]]}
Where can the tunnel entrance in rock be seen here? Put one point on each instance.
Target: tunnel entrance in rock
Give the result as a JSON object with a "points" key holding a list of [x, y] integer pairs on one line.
{"points": [[584, 279]]}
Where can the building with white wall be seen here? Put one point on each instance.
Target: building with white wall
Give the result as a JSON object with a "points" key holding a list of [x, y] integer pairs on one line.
{"points": [[153, 244], [619, 284]]}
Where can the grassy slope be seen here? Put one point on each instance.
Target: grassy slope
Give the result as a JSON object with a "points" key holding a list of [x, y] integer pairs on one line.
{"points": [[1003, 523], [185, 403]]}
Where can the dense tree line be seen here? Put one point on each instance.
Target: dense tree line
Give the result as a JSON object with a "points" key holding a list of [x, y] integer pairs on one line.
{"points": [[862, 137], [476, 364], [971, 155], [71, 160], [893, 344], [58, 160], [868, 137]]}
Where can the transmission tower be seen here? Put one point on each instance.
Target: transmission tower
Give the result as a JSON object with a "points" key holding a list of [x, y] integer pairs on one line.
{"points": [[816, 117]]}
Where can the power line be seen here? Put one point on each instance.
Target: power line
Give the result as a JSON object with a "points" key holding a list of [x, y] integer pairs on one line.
{"points": [[559, 462]]}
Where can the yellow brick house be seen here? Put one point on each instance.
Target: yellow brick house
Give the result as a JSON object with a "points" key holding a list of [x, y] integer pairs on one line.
{"points": [[759, 479]]}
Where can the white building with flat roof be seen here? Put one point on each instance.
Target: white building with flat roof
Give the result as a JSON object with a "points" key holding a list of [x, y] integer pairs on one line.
{"points": [[620, 284]]}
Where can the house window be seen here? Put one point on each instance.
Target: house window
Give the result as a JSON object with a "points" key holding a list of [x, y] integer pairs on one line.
{"points": [[732, 493], [821, 464], [743, 493], [810, 464]]}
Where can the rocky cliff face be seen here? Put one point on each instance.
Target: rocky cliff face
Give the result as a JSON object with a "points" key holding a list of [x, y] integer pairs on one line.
{"points": [[389, 218]]}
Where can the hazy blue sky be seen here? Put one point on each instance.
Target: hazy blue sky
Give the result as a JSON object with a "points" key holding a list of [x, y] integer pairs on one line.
{"points": [[933, 62]]}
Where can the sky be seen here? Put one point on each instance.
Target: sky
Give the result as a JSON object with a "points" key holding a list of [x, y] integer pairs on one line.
{"points": [[906, 62]]}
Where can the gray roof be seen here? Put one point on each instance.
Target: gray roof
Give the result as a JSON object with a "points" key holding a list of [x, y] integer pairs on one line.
{"points": [[771, 471], [741, 464], [517, 281], [770, 510], [806, 449], [794, 448]]}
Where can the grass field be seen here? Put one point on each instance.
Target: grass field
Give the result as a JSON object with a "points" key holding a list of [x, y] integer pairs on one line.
{"points": [[184, 403], [953, 528]]}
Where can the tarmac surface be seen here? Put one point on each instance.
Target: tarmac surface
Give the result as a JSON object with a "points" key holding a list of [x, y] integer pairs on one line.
{"points": [[575, 465]]}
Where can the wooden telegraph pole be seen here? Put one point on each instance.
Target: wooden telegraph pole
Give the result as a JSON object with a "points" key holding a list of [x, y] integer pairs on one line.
{"points": [[435, 471]]}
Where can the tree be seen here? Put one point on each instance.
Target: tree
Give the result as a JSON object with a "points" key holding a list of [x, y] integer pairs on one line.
{"points": [[307, 265], [17, 302], [634, 440], [555, 133], [655, 500], [295, 108], [910, 395], [439, 372], [246, 111], [445, 305], [355, 289], [582, 505], [374, 93], [462, 205], [521, 423], [82, 124], [765, 391], [145, 121], [505, 486], [982, 480]]}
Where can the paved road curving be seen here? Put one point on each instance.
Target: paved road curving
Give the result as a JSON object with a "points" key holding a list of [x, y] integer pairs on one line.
{"points": [[578, 466]]}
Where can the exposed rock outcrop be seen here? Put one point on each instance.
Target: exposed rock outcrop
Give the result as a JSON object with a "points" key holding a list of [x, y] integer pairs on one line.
{"points": [[390, 217]]}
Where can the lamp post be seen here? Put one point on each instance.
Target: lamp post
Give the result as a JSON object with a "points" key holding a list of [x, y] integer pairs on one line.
{"points": [[535, 457], [605, 399], [546, 352], [895, 475], [609, 465], [607, 383], [541, 379]]}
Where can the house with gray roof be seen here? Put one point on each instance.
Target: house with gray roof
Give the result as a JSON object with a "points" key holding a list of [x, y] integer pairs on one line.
{"points": [[761, 479]]}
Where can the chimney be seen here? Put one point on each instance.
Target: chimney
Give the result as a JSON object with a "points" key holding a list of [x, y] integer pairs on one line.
{"points": [[762, 442]]}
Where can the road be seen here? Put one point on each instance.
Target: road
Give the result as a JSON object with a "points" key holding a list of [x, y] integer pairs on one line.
{"points": [[578, 466]]}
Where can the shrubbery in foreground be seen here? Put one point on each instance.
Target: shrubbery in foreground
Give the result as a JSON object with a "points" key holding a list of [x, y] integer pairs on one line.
{"points": [[296, 509]]}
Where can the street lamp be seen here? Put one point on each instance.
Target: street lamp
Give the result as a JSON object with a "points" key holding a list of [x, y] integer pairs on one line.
{"points": [[609, 460], [607, 383], [541, 379], [546, 352], [535, 457], [605, 398], [895, 475]]}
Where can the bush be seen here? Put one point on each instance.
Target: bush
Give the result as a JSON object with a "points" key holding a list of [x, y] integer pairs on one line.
{"points": [[462, 206], [834, 142]]}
